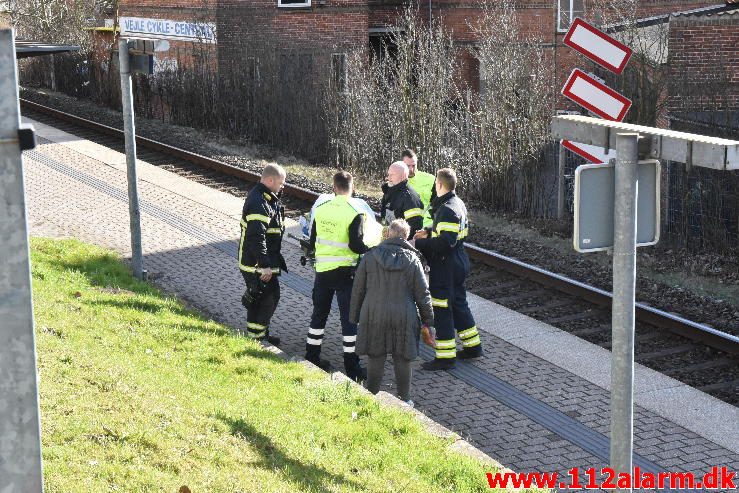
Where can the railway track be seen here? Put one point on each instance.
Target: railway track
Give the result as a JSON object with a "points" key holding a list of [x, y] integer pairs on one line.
{"points": [[698, 355]]}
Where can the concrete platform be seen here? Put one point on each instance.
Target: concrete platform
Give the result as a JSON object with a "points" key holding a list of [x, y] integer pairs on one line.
{"points": [[538, 400]]}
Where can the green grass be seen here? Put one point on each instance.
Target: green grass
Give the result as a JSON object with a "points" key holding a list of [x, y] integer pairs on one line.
{"points": [[139, 394]]}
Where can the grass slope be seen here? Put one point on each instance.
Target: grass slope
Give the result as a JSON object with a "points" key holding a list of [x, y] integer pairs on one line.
{"points": [[139, 394]]}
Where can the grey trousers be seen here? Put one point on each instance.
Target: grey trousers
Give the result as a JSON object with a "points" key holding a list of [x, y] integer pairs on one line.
{"points": [[376, 368]]}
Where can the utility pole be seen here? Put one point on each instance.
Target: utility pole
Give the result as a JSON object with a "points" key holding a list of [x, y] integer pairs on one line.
{"points": [[129, 127], [624, 287], [20, 430]]}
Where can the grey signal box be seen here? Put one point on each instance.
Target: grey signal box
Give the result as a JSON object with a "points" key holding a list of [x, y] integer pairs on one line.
{"points": [[594, 202]]}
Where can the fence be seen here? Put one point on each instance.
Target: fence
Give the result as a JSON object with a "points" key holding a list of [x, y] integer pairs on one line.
{"points": [[271, 97], [267, 100]]}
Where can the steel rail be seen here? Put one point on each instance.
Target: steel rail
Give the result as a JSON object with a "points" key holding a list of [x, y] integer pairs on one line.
{"points": [[674, 323]]}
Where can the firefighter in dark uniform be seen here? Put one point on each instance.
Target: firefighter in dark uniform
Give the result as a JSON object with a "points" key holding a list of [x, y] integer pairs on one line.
{"points": [[400, 200], [260, 260], [337, 237], [443, 247]]}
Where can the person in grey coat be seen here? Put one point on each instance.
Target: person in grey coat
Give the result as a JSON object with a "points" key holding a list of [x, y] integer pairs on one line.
{"points": [[390, 301]]}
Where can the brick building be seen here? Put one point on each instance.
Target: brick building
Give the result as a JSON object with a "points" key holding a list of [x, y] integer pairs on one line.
{"points": [[321, 27], [704, 64], [305, 37]]}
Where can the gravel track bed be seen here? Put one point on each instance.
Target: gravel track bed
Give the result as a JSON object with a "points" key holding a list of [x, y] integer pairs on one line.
{"points": [[717, 313]]}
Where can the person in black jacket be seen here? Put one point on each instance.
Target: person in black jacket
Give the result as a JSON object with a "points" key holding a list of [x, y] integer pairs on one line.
{"points": [[443, 247], [399, 200], [260, 260]]}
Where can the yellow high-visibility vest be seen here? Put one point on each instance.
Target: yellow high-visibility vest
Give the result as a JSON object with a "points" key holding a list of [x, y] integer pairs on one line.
{"points": [[423, 184], [332, 220]]}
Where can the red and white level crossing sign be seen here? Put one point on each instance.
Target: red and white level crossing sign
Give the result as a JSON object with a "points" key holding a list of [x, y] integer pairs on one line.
{"points": [[598, 46], [592, 153], [591, 93], [595, 96]]}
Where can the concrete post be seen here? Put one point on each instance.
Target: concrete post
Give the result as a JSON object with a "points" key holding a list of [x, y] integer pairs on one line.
{"points": [[20, 433], [624, 281], [561, 163], [137, 262]]}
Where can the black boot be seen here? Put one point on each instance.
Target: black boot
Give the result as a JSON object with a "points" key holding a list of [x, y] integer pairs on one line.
{"points": [[274, 340], [471, 352], [313, 354], [353, 368], [438, 364], [323, 364]]}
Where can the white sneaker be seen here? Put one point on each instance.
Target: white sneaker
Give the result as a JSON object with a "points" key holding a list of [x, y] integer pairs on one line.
{"points": [[410, 403]]}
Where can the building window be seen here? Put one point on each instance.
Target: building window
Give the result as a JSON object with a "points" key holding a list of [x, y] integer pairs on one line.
{"points": [[382, 42], [339, 72], [293, 3], [567, 10]]}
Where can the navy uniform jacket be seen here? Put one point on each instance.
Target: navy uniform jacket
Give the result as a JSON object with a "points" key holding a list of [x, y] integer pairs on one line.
{"points": [[449, 230], [262, 227], [402, 202]]}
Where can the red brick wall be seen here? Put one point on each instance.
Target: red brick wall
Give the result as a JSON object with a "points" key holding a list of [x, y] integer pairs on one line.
{"points": [[336, 23], [704, 62]]}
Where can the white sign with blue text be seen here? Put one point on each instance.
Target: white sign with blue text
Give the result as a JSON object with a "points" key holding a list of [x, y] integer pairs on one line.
{"points": [[138, 27]]}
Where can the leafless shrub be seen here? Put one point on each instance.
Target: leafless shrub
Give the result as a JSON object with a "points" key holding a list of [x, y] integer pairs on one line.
{"points": [[513, 113], [57, 21], [413, 94]]}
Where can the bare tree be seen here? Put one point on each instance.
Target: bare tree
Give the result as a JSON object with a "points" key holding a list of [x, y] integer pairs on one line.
{"points": [[60, 21], [515, 104], [413, 94]]}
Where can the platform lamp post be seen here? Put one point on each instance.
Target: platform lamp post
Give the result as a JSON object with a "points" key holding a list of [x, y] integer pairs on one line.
{"points": [[129, 128], [20, 432], [632, 143]]}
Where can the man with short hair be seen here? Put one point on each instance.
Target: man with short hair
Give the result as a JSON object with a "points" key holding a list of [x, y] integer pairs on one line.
{"points": [[422, 183], [443, 247], [400, 201], [337, 237], [260, 260]]}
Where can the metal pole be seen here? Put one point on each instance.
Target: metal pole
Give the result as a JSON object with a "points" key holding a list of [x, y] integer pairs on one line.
{"points": [[130, 134], [562, 161], [52, 71], [624, 280], [20, 433]]}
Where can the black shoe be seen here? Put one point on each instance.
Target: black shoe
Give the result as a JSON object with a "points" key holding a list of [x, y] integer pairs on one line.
{"points": [[321, 363], [471, 352], [358, 374], [440, 364], [274, 340]]}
